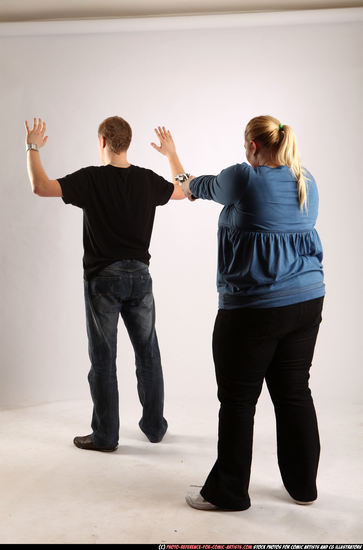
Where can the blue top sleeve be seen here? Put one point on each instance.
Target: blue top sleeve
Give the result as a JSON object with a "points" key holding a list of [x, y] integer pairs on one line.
{"points": [[226, 188]]}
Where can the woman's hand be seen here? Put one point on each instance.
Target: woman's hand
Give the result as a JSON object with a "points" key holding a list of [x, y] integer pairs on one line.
{"points": [[186, 190], [36, 134], [167, 145]]}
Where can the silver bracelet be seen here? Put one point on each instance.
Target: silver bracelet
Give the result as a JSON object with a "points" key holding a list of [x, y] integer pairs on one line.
{"points": [[32, 147], [181, 178]]}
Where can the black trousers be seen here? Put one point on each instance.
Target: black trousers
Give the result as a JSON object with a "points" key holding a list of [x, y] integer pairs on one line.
{"points": [[250, 346]]}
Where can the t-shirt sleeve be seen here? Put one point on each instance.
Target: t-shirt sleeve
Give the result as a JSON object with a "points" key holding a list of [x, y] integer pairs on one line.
{"points": [[226, 188], [162, 189], [76, 187]]}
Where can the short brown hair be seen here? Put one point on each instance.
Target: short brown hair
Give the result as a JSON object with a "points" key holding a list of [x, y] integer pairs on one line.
{"points": [[117, 133]]}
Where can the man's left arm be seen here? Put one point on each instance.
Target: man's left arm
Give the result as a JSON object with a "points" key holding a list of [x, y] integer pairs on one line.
{"points": [[167, 148], [41, 184]]}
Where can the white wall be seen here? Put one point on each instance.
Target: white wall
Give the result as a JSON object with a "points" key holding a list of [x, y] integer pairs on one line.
{"points": [[204, 85]]}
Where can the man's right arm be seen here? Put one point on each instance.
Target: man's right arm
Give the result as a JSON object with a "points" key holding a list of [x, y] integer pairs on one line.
{"points": [[41, 184]]}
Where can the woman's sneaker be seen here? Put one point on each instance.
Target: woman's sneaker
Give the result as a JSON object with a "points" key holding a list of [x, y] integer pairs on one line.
{"points": [[195, 500]]}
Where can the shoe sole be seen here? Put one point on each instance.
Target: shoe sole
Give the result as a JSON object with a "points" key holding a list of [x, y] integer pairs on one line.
{"points": [[96, 448], [207, 507]]}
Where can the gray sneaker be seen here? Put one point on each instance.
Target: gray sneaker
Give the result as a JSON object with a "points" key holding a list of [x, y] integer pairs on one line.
{"points": [[195, 500]]}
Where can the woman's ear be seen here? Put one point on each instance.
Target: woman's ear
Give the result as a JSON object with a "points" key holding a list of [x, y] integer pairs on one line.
{"points": [[254, 147]]}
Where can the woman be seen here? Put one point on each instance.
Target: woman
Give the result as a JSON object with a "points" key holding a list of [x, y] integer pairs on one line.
{"points": [[271, 292]]}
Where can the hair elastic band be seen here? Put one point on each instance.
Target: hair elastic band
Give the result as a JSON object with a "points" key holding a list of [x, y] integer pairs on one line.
{"points": [[281, 126]]}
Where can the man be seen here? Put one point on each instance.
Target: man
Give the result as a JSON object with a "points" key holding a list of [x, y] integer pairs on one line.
{"points": [[118, 201]]}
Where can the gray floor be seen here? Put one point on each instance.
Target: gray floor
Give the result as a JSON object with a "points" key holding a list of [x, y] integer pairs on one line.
{"points": [[52, 492]]}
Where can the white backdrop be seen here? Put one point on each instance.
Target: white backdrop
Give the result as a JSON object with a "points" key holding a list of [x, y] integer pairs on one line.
{"points": [[204, 84]]}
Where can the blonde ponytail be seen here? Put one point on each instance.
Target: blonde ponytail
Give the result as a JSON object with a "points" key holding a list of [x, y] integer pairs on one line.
{"points": [[278, 141]]}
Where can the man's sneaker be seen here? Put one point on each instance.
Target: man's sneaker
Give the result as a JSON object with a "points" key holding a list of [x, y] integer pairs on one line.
{"points": [[85, 442], [195, 500]]}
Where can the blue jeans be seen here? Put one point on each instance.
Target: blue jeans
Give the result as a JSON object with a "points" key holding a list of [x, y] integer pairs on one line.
{"points": [[124, 287]]}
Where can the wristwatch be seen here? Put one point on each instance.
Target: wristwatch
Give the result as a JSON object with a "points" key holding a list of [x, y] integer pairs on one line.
{"points": [[181, 178], [32, 147]]}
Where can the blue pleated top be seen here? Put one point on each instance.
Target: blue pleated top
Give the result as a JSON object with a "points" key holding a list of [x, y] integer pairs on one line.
{"points": [[269, 252]]}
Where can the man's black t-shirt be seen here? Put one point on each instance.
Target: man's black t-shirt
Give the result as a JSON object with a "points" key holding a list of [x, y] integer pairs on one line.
{"points": [[118, 212]]}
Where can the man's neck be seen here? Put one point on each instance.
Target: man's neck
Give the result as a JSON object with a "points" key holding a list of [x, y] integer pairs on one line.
{"points": [[117, 160]]}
